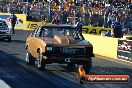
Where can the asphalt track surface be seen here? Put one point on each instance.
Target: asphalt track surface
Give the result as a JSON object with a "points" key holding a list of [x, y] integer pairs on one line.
{"points": [[15, 73]]}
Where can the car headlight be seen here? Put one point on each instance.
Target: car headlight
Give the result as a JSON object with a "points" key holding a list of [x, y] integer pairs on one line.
{"points": [[49, 48], [8, 32]]}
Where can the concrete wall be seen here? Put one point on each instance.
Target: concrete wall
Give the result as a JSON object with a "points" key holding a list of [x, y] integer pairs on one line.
{"points": [[104, 46]]}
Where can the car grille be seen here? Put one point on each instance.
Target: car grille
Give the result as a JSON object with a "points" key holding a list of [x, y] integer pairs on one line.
{"points": [[3, 28], [69, 50], [2, 32]]}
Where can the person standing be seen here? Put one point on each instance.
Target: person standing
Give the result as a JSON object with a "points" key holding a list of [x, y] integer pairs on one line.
{"points": [[87, 17], [79, 26], [64, 16], [56, 20], [117, 29], [13, 21], [43, 18]]}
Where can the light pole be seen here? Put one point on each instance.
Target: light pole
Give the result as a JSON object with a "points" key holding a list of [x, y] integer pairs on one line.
{"points": [[49, 2]]}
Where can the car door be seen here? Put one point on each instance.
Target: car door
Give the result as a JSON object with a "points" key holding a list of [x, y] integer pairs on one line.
{"points": [[31, 42]]}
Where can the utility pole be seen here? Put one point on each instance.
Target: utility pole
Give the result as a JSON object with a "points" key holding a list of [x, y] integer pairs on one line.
{"points": [[49, 6]]}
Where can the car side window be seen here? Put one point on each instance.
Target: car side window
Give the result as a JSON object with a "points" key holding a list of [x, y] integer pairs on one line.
{"points": [[37, 33], [34, 32]]}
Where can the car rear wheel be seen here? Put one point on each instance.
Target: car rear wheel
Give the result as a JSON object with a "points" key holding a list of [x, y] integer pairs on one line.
{"points": [[87, 64], [9, 39], [41, 62], [30, 59]]}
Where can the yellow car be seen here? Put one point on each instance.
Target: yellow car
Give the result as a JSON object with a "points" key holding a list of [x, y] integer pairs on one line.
{"points": [[61, 44]]}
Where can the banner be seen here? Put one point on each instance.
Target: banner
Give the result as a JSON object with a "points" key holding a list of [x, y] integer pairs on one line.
{"points": [[94, 30], [29, 25], [124, 51], [32, 25]]}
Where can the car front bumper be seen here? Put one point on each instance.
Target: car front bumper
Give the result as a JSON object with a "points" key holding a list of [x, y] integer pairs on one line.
{"points": [[78, 61], [5, 35], [66, 58]]}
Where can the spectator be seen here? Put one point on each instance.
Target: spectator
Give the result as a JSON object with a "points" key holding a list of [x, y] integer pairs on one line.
{"points": [[64, 16], [56, 20], [95, 19], [87, 17], [109, 22], [78, 15], [100, 20], [117, 29]]}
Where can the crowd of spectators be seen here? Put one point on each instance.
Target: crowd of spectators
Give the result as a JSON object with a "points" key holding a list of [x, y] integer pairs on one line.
{"points": [[9, 7], [31, 10], [92, 12], [96, 13]]}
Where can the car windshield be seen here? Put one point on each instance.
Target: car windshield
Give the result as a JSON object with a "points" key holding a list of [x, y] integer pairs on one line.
{"points": [[68, 32]]}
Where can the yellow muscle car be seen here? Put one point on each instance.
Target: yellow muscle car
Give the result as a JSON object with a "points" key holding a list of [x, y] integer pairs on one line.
{"points": [[61, 44]]}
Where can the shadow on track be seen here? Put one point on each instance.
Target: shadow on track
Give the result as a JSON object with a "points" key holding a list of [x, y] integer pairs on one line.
{"points": [[12, 41], [18, 76], [18, 41]]}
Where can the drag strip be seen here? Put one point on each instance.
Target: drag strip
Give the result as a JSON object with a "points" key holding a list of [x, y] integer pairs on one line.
{"points": [[15, 73]]}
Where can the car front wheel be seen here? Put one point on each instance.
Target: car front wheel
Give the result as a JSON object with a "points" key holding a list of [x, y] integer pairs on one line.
{"points": [[41, 63], [87, 64], [30, 59]]}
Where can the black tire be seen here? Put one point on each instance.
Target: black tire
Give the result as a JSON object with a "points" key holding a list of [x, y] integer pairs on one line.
{"points": [[30, 59], [87, 64], [9, 39], [71, 66], [41, 62]]}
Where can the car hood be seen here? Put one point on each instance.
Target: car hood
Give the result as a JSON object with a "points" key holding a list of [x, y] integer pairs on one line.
{"points": [[62, 40], [49, 40]]}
